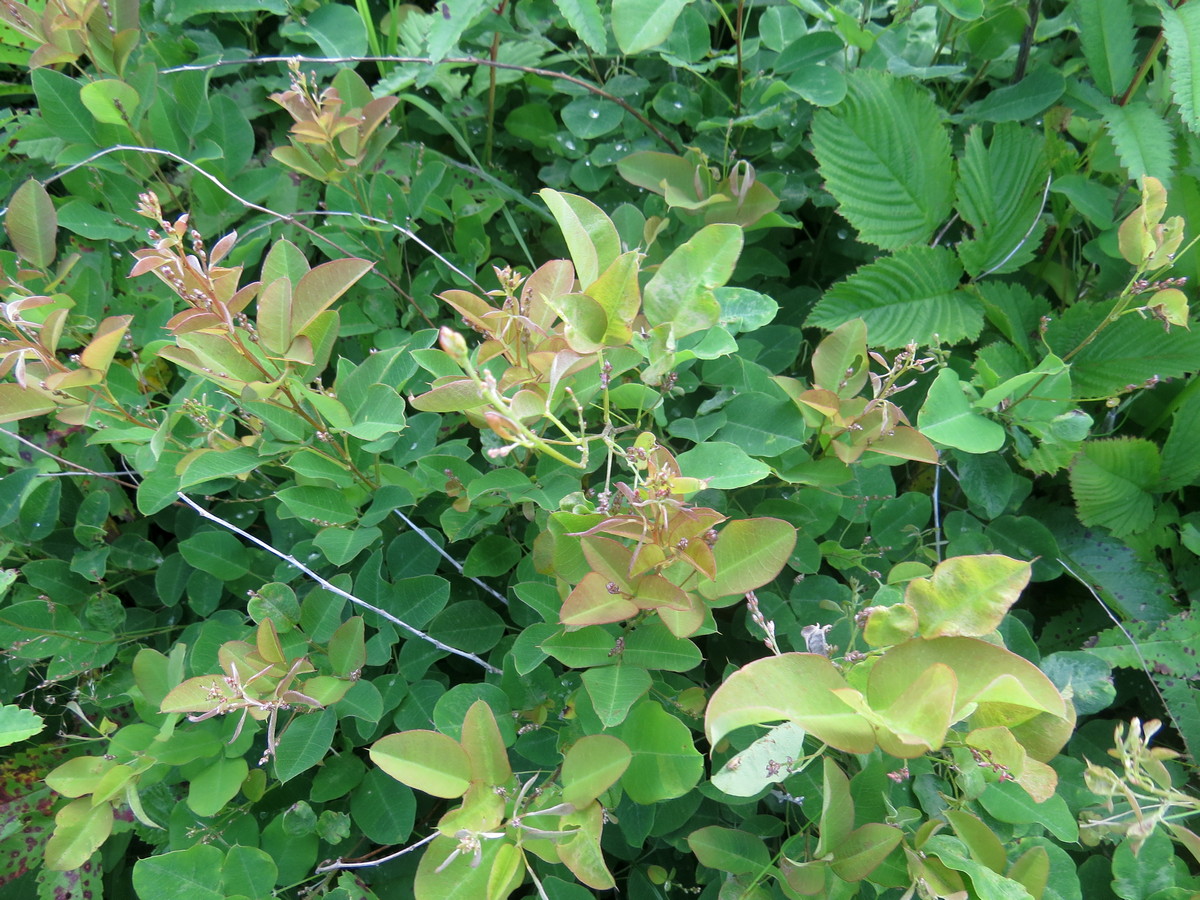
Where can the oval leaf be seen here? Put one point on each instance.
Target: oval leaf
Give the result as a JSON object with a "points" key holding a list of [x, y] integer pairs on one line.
{"points": [[425, 760]]}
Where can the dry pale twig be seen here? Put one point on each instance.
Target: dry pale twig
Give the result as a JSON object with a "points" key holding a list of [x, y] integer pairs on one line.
{"points": [[334, 589]]}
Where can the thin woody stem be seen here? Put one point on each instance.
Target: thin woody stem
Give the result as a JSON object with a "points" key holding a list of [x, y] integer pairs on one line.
{"points": [[334, 589]]}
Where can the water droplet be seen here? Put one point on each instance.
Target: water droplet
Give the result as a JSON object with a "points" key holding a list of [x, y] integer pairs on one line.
{"points": [[570, 145], [593, 113], [678, 104]]}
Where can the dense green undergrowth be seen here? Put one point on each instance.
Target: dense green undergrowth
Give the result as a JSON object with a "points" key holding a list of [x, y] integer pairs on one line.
{"points": [[734, 450]]}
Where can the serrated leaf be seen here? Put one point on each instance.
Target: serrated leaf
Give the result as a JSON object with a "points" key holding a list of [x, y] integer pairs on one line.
{"points": [[1110, 480], [1182, 30], [1143, 139], [1000, 191], [1123, 355], [909, 296], [1180, 461], [1106, 32], [885, 156], [584, 16], [450, 20]]}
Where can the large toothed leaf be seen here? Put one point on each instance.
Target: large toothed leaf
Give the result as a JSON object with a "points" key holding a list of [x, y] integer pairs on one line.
{"points": [[585, 17], [1111, 481], [1144, 142], [1000, 191], [910, 296], [885, 156], [1182, 29]]}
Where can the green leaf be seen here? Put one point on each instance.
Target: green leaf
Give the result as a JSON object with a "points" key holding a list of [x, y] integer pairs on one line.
{"points": [[967, 10], [449, 23], [18, 403], [214, 464], [1031, 96], [277, 602], [864, 849], [743, 310], [1141, 874], [967, 595], [885, 156], [617, 292], [1111, 481], [248, 871], [665, 761], [748, 554], [988, 884], [982, 842], [1139, 589], [111, 101], [460, 878], [62, 110], [1009, 802], [1125, 354], [794, 687], [1144, 141], [340, 545], [910, 296], [642, 24], [614, 689], [1106, 32], [347, 650], [1180, 461], [652, 646], [591, 766], [947, 418], [590, 117], [591, 236], [762, 425], [304, 744], [17, 724], [747, 773], [1000, 193], [216, 784], [337, 29], [1086, 674], [681, 292], [1181, 27], [320, 504], [425, 760], [585, 18], [729, 850], [32, 224], [192, 874], [990, 678], [383, 808], [319, 288], [79, 830], [218, 553], [182, 10], [723, 466]]}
